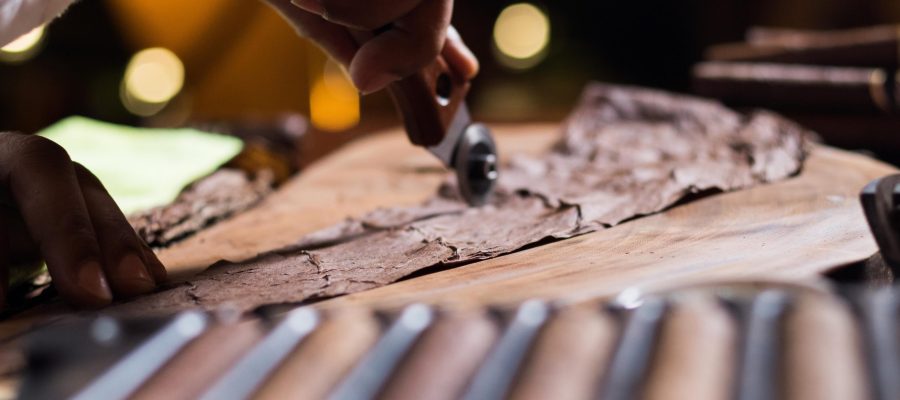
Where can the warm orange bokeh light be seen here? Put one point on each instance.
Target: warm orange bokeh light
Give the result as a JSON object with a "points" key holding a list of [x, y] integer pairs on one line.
{"points": [[240, 57]]}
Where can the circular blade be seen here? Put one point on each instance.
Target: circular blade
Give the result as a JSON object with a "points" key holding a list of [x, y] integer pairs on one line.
{"points": [[475, 163]]}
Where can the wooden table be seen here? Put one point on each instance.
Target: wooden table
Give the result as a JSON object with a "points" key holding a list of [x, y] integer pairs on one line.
{"points": [[792, 230]]}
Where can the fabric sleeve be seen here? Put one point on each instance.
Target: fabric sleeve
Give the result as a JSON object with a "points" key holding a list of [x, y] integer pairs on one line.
{"points": [[18, 17]]}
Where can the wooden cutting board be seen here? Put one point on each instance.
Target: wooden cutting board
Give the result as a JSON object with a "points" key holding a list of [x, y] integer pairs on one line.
{"points": [[791, 230]]}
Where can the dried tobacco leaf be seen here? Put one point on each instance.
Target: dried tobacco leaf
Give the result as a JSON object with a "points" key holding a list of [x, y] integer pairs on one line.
{"points": [[624, 152]]}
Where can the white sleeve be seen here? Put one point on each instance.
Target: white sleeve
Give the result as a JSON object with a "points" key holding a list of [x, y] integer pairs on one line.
{"points": [[18, 17]]}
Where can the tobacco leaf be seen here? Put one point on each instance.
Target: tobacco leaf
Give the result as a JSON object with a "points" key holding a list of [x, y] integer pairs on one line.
{"points": [[624, 152], [211, 199]]}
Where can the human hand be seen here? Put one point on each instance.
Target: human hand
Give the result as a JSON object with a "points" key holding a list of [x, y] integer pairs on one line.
{"points": [[54, 209], [417, 31]]}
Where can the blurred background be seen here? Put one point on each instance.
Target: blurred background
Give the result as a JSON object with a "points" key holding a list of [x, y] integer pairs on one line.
{"points": [[173, 62]]}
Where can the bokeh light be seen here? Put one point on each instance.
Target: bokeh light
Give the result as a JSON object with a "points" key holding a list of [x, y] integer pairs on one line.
{"points": [[521, 36], [152, 78], [23, 48], [333, 100]]}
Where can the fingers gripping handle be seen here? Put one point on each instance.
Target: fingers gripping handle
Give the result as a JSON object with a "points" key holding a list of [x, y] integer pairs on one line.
{"points": [[428, 99]]}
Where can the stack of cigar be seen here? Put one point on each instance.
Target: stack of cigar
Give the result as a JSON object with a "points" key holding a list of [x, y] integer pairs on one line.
{"points": [[736, 340], [842, 84]]}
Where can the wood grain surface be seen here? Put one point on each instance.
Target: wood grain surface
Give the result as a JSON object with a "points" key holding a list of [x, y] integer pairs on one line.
{"points": [[788, 231], [791, 230], [378, 171], [802, 226], [624, 152]]}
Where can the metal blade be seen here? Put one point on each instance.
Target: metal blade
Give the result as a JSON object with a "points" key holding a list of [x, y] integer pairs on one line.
{"points": [[476, 165], [496, 375], [759, 370], [879, 309], [469, 149], [128, 374], [252, 370], [446, 149], [368, 377], [634, 355]]}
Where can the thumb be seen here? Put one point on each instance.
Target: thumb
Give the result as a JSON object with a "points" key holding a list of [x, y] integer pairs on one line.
{"points": [[458, 55]]}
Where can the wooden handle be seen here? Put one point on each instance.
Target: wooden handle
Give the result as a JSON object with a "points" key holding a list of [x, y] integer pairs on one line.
{"points": [[428, 99]]}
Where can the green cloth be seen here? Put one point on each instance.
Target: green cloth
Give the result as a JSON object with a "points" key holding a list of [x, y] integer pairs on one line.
{"points": [[142, 168]]}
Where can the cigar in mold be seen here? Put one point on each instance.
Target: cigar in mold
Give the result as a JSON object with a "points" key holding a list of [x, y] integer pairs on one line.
{"points": [[797, 87]]}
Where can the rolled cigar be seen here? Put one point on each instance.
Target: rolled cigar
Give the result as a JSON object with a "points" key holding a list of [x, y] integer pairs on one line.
{"points": [[795, 87], [873, 47], [445, 357], [696, 357], [202, 361], [324, 358], [825, 357], [569, 356], [805, 38]]}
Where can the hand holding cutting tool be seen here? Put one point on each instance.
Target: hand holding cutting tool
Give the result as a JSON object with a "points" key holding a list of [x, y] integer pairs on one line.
{"points": [[381, 41], [432, 105]]}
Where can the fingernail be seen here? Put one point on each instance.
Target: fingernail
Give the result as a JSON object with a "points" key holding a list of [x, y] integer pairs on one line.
{"points": [[132, 276], [312, 6], [91, 279], [376, 82], [154, 266], [470, 65], [453, 34], [158, 271]]}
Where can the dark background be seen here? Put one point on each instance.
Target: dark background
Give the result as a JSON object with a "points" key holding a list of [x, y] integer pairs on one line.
{"points": [[242, 61]]}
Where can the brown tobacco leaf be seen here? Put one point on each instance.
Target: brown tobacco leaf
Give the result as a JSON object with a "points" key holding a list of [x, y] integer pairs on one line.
{"points": [[628, 152], [624, 152], [370, 261], [218, 196]]}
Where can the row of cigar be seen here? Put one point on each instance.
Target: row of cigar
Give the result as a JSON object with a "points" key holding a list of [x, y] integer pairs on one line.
{"points": [[726, 341], [850, 71], [842, 84]]}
